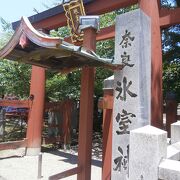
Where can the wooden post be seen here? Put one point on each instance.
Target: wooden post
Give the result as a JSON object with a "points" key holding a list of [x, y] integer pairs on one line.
{"points": [[171, 112], [86, 110], [2, 123], [151, 8], [107, 134], [67, 112], [35, 120], [39, 166]]}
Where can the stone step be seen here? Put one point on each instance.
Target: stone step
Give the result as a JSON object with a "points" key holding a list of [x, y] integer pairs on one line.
{"points": [[169, 170]]}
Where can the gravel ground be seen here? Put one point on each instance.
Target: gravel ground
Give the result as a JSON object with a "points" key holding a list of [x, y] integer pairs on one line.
{"points": [[25, 168]]}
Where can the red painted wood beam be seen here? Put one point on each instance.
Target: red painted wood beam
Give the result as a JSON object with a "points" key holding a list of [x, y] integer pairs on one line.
{"points": [[96, 8], [152, 10], [159, 4], [67, 112], [54, 105], [16, 103], [106, 33], [28, 103], [171, 114], [104, 6], [13, 144], [86, 110], [169, 17], [107, 133], [53, 22], [35, 120]]}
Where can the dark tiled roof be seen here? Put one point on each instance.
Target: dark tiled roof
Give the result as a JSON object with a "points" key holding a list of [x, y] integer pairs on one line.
{"points": [[45, 14]]}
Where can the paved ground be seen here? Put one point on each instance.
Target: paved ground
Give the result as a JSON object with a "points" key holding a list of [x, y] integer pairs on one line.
{"points": [[54, 162]]}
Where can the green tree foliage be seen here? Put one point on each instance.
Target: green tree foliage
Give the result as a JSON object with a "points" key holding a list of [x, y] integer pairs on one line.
{"points": [[14, 77], [171, 60], [171, 54], [59, 87], [7, 32]]}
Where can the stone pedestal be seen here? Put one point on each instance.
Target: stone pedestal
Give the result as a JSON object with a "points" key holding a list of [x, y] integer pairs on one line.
{"points": [[33, 151], [175, 132], [169, 170], [148, 146]]}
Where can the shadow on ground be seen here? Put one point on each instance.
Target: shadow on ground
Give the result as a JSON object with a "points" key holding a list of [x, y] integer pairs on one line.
{"points": [[72, 159]]}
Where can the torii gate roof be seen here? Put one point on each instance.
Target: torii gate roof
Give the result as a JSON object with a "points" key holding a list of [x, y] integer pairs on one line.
{"points": [[37, 48]]}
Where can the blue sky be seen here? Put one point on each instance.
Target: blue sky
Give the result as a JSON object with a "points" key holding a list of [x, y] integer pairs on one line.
{"points": [[13, 10]]}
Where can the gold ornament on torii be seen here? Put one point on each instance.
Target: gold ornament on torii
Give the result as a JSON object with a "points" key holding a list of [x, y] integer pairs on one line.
{"points": [[73, 9]]}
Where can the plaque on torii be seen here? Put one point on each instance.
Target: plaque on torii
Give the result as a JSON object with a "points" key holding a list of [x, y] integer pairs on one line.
{"points": [[73, 10]]}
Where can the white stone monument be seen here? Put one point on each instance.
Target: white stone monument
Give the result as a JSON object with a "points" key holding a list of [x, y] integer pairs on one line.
{"points": [[148, 146], [175, 132], [131, 85]]}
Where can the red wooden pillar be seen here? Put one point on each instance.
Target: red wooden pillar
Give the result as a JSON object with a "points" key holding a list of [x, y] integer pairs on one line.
{"points": [[35, 120], [86, 110], [67, 112], [151, 8], [171, 113], [107, 133]]}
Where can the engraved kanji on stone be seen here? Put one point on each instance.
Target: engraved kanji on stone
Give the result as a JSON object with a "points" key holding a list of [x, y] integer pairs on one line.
{"points": [[125, 60], [122, 160], [124, 119], [125, 39], [124, 89]]}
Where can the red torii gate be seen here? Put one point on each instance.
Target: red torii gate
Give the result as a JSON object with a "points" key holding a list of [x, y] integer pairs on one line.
{"points": [[160, 18]]}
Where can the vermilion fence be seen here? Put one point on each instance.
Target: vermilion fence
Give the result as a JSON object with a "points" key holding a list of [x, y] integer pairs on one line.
{"points": [[63, 107]]}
